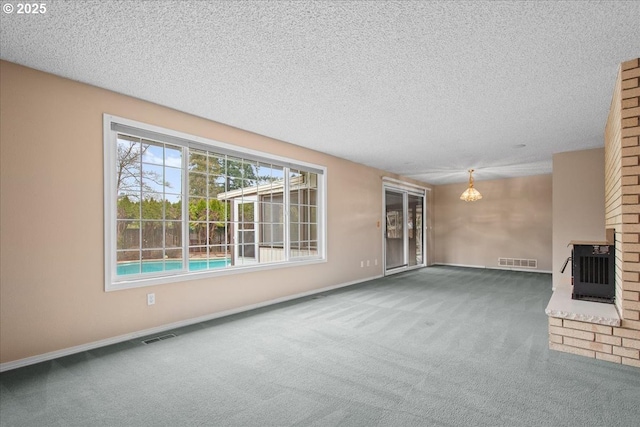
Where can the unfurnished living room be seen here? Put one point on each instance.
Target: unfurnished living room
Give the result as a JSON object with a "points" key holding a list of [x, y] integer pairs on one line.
{"points": [[320, 213]]}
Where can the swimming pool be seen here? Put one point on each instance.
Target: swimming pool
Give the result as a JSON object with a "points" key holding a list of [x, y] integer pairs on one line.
{"points": [[157, 266]]}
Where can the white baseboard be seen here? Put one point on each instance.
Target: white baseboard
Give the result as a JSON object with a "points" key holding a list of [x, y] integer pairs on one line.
{"points": [[15, 364], [528, 270]]}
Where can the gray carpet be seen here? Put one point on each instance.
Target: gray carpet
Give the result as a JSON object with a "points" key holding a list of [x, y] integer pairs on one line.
{"points": [[440, 346]]}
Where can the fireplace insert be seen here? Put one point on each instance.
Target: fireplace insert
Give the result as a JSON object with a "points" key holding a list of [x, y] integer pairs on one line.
{"points": [[593, 271]]}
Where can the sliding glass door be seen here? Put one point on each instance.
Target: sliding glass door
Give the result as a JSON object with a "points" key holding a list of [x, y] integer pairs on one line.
{"points": [[394, 237], [404, 229], [415, 229]]}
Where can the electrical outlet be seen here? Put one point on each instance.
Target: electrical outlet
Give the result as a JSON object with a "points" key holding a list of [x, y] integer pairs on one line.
{"points": [[361, 263], [151, 299]]}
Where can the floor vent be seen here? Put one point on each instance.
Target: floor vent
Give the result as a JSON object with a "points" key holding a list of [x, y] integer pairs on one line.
{"points": [[160, 338], [517, 262]]}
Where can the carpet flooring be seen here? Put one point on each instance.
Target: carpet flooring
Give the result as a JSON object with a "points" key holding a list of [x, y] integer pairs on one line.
{"points": [[440, 346]]}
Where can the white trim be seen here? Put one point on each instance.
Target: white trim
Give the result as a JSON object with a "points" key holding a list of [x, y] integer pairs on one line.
{"points": [[109, 162], [185, 212], [7, 366], [403, 269], [323, 225], [203, 274], [383, 228], [526, 270], [286, 210], [403, 184]]}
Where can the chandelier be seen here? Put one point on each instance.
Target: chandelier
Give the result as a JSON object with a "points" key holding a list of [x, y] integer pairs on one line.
{"points": [[471, 194]]}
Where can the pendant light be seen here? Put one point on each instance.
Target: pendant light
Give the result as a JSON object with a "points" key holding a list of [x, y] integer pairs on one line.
{"points": [[471, 194]]}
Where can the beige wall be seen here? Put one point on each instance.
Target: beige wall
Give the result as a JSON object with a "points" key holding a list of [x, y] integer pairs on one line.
{"points": [[51, 221], [578, 204], [513, 220]]}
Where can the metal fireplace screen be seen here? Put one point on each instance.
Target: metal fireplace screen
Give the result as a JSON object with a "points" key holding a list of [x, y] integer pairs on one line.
{"points": [[593, 273]]}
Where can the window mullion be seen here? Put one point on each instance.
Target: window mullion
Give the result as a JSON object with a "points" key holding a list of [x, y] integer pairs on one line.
{"points": [[140, 218], [184, 195], [285, 214], [164, 197]]}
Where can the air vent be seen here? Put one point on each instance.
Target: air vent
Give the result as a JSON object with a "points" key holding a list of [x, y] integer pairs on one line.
{"points": [[160, 338], [518, 263]]}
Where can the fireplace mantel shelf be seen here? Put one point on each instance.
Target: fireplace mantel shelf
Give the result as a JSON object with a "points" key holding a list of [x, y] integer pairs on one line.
{"points": [[561, 305]]}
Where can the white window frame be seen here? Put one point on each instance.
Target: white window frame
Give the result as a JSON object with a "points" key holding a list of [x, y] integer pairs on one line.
{"points": [[237, 232], [114, 282]]}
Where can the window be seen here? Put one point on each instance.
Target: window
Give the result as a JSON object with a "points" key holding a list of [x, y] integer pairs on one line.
{"points": [[180, 207]]}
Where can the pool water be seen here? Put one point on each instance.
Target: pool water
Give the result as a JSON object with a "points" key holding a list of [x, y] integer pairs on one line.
{"points": [[157, 266]]}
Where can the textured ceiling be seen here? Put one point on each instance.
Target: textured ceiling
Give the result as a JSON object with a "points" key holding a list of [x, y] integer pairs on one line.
{"points": [[423, 89]]}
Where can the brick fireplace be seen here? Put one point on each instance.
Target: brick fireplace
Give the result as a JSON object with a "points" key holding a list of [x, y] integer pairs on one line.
{"points": [[592, 329]]}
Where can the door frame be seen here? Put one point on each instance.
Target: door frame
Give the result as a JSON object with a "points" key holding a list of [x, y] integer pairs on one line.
{"points": [[405, 189], [237, 242]]}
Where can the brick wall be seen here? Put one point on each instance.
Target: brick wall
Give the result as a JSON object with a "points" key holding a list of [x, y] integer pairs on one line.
{"points": [[622, 213], [619, 345], [630, 134], [613, 180]]}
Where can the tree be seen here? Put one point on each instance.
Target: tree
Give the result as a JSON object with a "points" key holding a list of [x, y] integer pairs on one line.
{"points": [[132, 182], [207, 215], [129, 167], [240, 174]]}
